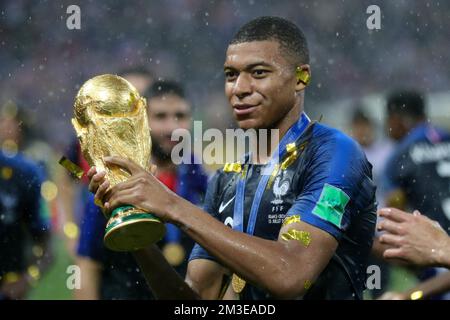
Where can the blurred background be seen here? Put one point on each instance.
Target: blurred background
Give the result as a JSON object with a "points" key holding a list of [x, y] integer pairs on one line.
{"points": [[43, 64]]}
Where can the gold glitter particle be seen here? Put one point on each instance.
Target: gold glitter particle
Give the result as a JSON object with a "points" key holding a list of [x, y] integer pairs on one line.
{"points": [[232, 167], [289, 160], [291, 219], [308, 284], [237, 283], [301, 236], [290, 147], [417, 295]]}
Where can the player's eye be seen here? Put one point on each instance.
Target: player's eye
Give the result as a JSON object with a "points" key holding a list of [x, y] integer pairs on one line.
{"points": [[181, 116], [230, 75], [161, 115], [260, 73]]}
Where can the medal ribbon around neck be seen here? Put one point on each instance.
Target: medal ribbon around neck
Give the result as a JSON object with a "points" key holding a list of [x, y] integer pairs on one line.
{"points": [[291, 135]]}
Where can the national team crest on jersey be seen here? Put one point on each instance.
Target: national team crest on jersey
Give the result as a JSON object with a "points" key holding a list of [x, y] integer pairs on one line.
{"points": [[280, 188]]}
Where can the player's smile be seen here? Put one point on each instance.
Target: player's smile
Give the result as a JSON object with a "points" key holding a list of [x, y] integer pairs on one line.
{"points": [[243, 109]]}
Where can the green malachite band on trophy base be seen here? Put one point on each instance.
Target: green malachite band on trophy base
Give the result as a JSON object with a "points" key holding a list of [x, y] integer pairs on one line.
{"points": [[130, 229]]}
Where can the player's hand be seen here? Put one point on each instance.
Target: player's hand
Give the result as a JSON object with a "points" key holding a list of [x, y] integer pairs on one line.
{"points": [[142, 190], [413, 237], [391, 295]]}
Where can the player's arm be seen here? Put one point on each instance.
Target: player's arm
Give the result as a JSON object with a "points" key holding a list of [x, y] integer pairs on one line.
{"points": [[281, 267], [286, 264], [90, 279], [289, 264], [203, 279]]}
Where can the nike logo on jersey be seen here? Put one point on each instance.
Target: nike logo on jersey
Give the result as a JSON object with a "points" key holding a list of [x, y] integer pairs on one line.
{"points": [[223, 206]]}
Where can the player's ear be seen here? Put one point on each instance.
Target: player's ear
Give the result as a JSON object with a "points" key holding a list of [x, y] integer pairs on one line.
{"points": [[303, 76]]}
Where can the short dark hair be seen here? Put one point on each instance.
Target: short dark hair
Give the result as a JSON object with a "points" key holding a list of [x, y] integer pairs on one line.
{"points": [[165, 87], [290, 37], [360, 116], [406, 102]]}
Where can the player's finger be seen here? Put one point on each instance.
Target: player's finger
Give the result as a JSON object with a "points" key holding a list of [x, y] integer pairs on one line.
{"points": [[393, 253], [96, 180], [390, 239], [130, 183], [390, 226], [124, 163], [101, 191], [91, 172], [394, 214], [124, 197]]}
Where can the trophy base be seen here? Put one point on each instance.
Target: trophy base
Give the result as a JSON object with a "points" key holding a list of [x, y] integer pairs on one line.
{"points": [[131, 229]]}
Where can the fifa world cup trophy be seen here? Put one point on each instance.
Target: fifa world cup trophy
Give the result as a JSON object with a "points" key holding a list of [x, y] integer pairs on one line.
{"points": [[111, 120]]}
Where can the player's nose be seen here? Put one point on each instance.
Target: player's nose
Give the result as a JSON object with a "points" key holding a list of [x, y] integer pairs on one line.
{"points": [[242, 86]]}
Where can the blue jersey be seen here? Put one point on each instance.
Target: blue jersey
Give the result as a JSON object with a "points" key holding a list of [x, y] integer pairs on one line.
{"points": [[330, 187], [20, 210], [420, 167], [121, 277]]}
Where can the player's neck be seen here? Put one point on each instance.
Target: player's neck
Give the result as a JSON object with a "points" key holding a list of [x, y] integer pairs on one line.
{"points": [[282, 126]]}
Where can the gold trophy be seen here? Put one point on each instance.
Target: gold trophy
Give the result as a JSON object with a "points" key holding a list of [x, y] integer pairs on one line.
{"points": [[111, 120]]}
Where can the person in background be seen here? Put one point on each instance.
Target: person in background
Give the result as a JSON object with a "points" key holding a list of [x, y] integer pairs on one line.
{"points": [[25, 237], [417, 175]]}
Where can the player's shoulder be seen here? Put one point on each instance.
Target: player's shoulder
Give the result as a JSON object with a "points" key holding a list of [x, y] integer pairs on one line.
{"points": [[423, 134]]}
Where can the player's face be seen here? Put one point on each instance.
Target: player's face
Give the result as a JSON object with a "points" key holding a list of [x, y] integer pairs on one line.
{"points": [[395, 127], [165, 114], [260, 83]]}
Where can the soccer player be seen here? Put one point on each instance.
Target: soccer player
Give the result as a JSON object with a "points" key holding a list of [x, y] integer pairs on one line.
{"points": [[417, 174], [21, 218], [321, 188], [112, 275]]}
